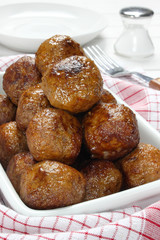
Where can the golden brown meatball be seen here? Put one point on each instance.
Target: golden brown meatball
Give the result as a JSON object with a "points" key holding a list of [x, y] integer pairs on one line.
{"points": [[102, 179], [107, 97], [141, 166], [31, 101], [20, 76], [12, 141], [110, 131], [74, 84], [51, 184], [54, 134], [17, 165], [7, 110], [54, 49]]}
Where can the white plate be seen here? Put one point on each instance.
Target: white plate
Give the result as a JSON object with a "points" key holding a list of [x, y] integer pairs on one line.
{"points": [[23, 26], [114, 201]]}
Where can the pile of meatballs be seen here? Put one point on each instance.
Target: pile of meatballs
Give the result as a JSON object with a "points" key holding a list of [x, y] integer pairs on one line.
{"points": [[63, 138]]}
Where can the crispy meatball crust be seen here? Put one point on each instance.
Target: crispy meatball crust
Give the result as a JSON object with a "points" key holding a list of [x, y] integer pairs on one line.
{"points": [[102, 179], [20, 76], [7, 110], [74, 84], [12, 141], [17, 165], [107, 97], [110, 131], [54, 134], [51, 184], [141, 166], [54, 49], [31, 101]]}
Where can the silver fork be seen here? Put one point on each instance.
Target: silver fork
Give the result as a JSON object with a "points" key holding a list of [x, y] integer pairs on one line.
{"points": [[109, 66]]}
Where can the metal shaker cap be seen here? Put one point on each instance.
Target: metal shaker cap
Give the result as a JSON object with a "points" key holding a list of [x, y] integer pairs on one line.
{"points": [[136, 12]]}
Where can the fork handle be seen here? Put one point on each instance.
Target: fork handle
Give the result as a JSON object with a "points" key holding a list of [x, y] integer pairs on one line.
{"points": [[155, 83], [142, 76], [152, 83]]}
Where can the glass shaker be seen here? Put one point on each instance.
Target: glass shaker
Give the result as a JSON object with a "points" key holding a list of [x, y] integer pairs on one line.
{"points": [[135, 42]]}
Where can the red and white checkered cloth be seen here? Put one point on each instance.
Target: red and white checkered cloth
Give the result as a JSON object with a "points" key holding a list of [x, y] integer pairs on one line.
{"points": [[130, 223]]}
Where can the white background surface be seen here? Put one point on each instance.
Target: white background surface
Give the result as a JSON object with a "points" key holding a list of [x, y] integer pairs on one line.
{"points": [[108, 37]]}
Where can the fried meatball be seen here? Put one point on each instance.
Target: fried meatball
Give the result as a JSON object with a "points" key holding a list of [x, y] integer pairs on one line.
{"points": [[110, 131], [12, 141], [54, 134], [74, 84], [17, 165], [20, 76], [141, 166], [102, 179], [51, 184], [107, 97], [54, 49], [7, 110], [31, 101]]}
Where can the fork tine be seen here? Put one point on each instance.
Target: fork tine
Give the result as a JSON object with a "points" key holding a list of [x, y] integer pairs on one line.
{"points": [[105, 56], [104, 62], [102, 57], [98, 61]]}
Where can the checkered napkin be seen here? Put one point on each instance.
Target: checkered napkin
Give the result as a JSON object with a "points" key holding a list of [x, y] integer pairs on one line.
{"points": [[129, 223]]}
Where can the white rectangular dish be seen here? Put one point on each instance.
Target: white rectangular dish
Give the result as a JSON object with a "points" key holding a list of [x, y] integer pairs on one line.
{"points": [[118, 200]]}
